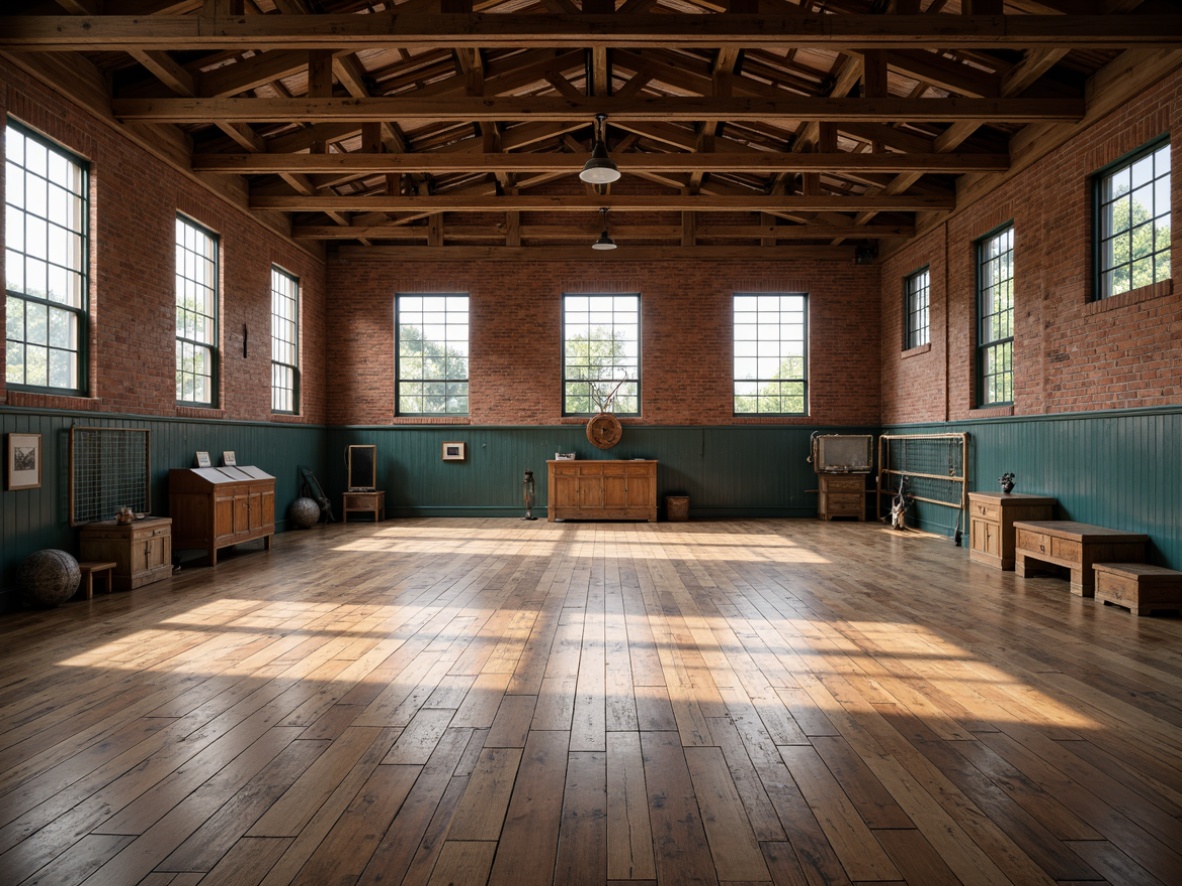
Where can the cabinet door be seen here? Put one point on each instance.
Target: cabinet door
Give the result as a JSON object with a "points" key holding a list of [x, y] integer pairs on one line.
{"points": [[615, 489], [266, 514], [591, 488], [566, 490], [985, 536], [640, 493]]}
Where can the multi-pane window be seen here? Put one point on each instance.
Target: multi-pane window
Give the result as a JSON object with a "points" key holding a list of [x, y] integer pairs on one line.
{"points": [[771, 354], [432, 354], [196, 312], [285, 342], [46, 238], [915, 294], [601, 354], [1133, 223], [995, 312]]}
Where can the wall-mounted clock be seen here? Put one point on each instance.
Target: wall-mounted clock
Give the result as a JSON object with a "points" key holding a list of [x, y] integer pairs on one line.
{"points": [[604, 430]]}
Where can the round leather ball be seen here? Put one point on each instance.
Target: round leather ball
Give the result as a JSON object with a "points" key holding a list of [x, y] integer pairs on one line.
{"points": [[47, 578], [304, 513]]}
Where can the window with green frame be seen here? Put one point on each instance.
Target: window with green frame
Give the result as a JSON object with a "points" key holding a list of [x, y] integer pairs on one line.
{"points": [[771, 353], [196, 313], [915, 295], [601, 353], [285, 342], [46, 238], [995, 317], [1132, 203], [432, 362]]}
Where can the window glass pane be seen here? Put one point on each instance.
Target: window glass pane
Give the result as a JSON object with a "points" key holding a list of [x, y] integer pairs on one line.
{"points": [[284, 342], [196, 299], [1133, 209], [770, 350], [995, 301], [432, 366]]}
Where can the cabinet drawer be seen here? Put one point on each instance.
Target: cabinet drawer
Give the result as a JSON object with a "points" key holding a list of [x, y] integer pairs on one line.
{"points": [[854, 483], [1066, 549], [846, 503], [986, 511], [1035, 542]]}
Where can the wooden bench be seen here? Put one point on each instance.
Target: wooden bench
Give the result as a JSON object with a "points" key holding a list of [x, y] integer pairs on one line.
{"points": [[1139, 587], [88, 569], [1076, 546]]}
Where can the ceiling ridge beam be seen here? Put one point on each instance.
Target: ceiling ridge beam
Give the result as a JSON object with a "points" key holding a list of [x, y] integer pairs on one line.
{"points": [[614, 202], [66, 33]]}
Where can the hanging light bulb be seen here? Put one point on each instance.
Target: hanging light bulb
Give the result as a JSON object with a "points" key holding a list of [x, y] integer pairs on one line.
{"points": [[599, 168], [605, 241]]}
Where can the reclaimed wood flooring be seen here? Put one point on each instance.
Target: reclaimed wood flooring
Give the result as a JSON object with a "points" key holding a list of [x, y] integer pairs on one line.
{"points": [[495, 701]]}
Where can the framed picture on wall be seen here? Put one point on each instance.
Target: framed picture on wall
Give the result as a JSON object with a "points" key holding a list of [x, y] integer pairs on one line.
{"points": [[24, 461], [453, 451]]}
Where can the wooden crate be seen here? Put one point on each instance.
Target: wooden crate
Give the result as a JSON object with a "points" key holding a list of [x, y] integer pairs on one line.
{"points": [[1139, 587]]}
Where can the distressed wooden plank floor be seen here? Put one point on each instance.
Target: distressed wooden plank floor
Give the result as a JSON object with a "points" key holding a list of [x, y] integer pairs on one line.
{"points": [[499, 701]]}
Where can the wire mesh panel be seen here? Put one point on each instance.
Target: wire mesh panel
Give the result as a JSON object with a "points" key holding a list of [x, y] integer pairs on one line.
{"points": [[935, 465], [109, 470]]}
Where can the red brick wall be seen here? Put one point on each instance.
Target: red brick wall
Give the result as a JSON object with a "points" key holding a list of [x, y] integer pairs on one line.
{"points": [[134, 201], [1071, 353], [516, 353]]}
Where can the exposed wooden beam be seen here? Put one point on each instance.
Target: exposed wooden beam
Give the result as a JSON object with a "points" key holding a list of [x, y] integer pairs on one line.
{"points": [[617, 203], [585, 253], [575, 108], [515, 31], [393, 231], [757, 162]]}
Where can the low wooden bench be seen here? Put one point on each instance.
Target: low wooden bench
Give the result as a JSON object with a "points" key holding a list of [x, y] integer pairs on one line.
{"points": [[1075, 546], [1139, 587], [88, 569]]}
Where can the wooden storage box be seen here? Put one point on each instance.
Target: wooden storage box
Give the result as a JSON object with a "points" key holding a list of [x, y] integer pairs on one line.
{"points": [[1139, 587], [216, 507], [991, 524], [141, 550], [841, 495], [1076, 546]]}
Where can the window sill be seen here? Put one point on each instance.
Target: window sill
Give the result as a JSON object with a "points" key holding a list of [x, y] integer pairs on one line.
{"points": [[431, 420], [992, 411], [917, 350], [287, 417], [1132, 297], [38, 400], [204, 412]]}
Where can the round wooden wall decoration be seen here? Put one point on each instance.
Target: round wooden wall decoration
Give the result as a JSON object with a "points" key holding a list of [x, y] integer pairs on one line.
{"points": [[604, 430]]}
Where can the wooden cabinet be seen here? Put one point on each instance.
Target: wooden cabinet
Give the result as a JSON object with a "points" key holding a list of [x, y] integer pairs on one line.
{"points": [[363, 503], [216, 507], [841, 495], [1075, 546], [991, 524], [602, 490], [141, 550]]}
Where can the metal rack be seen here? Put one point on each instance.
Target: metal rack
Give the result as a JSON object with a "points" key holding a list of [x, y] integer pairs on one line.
{"points": [[936, 467]]}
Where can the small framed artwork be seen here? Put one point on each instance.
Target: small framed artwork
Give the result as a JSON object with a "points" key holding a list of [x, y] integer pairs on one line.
{"points": [[228, 458], [453, 451], [24, 461], [201, 459]]}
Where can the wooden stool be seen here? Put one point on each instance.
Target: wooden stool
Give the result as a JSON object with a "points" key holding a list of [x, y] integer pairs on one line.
{"points": [[89, 568], [1138, 587]]}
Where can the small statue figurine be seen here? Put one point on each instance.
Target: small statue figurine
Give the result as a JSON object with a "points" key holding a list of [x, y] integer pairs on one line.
{"points": [[1007, 482], [529, 494]]}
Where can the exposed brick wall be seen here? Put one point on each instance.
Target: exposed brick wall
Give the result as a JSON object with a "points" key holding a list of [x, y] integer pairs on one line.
{"points": [[135, 198], [516, 353], [1070, 353]]}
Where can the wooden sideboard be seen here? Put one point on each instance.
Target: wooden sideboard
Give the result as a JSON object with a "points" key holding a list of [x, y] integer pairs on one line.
{"points": [[841, 495], [141, 550], [216, 507], [602, 490], [991, 524]]}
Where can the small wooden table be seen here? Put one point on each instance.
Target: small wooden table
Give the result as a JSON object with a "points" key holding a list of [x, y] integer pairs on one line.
{"points": [[1077, 546], [89, 568], [365, 502]]}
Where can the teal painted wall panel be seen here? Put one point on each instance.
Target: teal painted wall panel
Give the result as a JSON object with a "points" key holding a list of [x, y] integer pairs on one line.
{"points": [[34, 519], [1117, 469], [735, 471]]}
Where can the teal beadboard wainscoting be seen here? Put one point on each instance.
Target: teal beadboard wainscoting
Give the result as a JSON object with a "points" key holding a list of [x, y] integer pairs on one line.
{"points": [[740, 471], [1120, 469], [39, 518]]}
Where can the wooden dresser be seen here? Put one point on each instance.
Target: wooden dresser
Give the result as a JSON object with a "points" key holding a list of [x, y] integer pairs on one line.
{"points": [[841, 495], [141, 550], [602, 490], [216, 507], [991, 524]]}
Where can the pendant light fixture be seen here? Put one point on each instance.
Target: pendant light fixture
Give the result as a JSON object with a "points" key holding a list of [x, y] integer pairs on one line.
{"points": [[605, 241], [599, 168]]}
